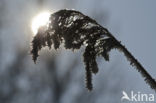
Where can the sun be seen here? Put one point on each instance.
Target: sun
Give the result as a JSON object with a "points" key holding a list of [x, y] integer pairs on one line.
{"points": [[40, 20]]}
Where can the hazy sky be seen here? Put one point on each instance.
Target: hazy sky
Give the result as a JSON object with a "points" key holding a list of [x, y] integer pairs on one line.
{"points": [[131, 21]]}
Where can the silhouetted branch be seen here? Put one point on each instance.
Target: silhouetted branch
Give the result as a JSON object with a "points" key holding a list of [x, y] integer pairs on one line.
{"points": [[74, 30]]}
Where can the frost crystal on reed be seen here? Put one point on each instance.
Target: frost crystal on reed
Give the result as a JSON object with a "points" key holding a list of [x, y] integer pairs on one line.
{"points": [[74, 29]]}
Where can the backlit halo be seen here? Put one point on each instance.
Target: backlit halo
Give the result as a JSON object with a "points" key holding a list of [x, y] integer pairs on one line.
{"points": [[40, 20]]}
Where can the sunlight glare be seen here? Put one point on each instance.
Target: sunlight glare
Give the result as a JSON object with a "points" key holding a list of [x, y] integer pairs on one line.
{"points": [[40, 20]]}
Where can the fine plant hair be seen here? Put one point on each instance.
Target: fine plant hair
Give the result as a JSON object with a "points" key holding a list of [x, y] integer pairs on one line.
{"points": [[74, 30]]}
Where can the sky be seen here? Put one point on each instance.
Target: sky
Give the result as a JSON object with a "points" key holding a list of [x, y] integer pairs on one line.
{"points": [[131, 21]]}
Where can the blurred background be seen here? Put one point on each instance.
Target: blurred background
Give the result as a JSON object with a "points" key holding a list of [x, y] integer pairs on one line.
{"points": [[59, 76]]}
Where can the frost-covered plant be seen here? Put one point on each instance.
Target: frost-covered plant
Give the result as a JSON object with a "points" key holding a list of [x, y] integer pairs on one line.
{"points": [[74, 29]]}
